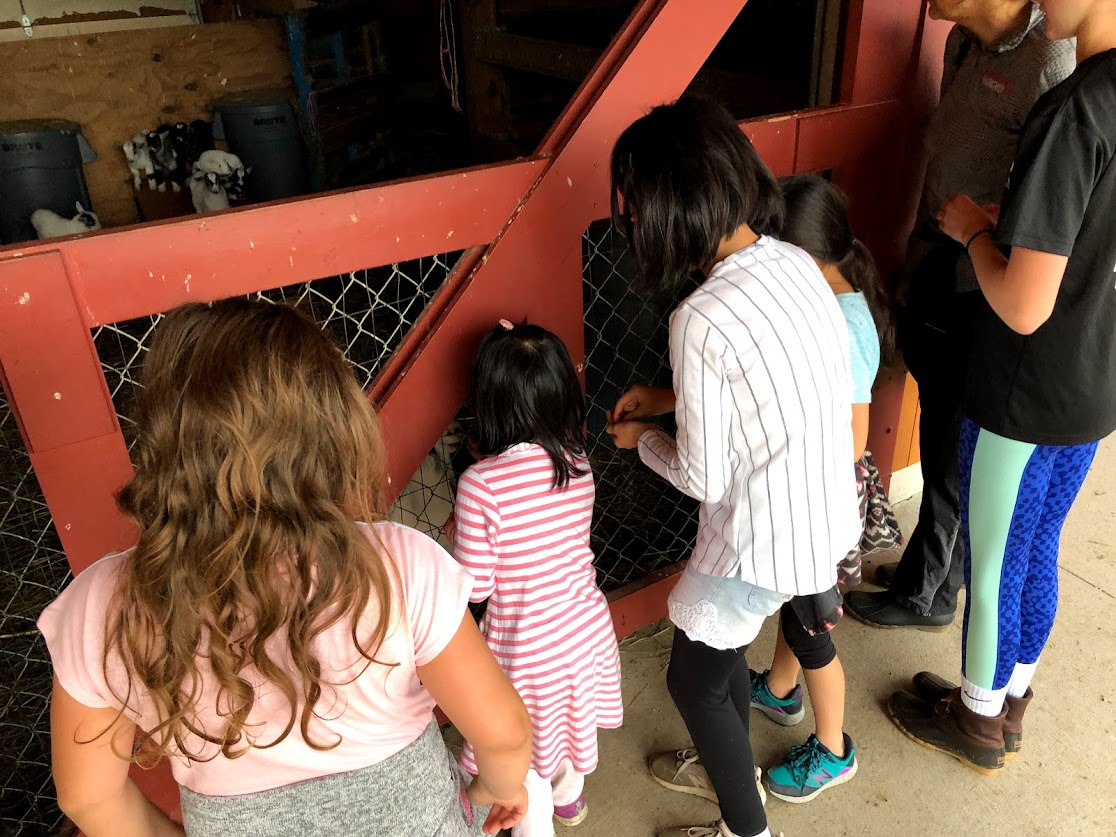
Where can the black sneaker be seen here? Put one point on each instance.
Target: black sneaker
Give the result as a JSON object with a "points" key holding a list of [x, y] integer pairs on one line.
{"points": [[881, 611]]}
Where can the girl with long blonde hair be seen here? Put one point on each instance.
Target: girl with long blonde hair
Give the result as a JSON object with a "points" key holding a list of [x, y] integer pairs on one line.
{"points": [[270, 632]]}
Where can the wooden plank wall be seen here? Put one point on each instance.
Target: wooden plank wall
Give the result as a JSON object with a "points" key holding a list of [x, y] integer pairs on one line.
{"points": [[116, 83]]}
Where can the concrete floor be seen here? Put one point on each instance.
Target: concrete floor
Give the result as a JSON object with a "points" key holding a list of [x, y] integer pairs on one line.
{"points": [[1064, 782]]}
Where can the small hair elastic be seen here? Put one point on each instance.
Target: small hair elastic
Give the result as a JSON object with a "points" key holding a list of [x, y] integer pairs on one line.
{"points": [[506, 325]]}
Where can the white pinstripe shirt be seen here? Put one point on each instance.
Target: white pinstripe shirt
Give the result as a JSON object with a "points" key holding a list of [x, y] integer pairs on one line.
{"points": [[760, 357]]}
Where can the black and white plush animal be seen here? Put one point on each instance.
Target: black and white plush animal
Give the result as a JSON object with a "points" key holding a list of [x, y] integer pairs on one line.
{"points": [[139, 160], [49, 224], [207, 192]]}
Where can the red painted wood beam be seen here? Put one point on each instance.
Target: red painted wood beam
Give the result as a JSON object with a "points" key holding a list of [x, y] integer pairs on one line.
{"points": [[881, 49], [637, 605], [832, 137], [141, 270], [59, 398], [776, 140]]}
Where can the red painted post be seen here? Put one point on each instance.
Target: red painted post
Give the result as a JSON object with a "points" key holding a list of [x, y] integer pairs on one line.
{"points": [[59, 397], [881, 49]]}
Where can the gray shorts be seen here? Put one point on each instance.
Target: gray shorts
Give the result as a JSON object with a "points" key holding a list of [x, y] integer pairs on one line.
{"points": [[418, 791]]}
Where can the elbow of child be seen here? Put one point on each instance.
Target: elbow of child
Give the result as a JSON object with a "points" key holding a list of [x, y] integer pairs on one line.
{"points": [[692, 479], [68, 806], [1026, 320], [1028, 324], [512, 735], [708, 491], [75, 804], [523, 734]]}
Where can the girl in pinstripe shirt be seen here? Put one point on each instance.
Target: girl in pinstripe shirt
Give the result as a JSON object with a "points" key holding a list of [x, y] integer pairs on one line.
{"points": [[762, 400]]}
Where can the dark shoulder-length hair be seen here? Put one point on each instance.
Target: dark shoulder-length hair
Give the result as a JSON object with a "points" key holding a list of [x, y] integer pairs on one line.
{"points": [[525, 389], [684, 177], [817, 220]]}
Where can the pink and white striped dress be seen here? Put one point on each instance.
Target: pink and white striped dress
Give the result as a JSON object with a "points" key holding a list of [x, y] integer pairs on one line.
{"points": [[548, 624]]}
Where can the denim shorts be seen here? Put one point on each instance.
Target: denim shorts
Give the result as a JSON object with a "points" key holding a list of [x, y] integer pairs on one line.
{"points": [[721, 612]]}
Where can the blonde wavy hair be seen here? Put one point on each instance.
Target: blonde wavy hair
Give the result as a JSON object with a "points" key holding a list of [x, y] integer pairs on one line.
{"points": [[257, 453]]}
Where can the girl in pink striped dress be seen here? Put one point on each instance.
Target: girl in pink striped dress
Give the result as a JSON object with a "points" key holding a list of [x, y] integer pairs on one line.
{"points": [[522, 530]]}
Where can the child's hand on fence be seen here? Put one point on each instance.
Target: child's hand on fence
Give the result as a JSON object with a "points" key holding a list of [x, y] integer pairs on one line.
{"points": [[641, 401], [625, 434]]}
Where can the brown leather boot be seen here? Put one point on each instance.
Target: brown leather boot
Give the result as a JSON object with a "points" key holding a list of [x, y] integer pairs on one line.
{"points": [[950, 727], [1013, 723]]}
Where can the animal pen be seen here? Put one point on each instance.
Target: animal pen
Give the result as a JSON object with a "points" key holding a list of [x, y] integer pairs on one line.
{"points": [[414, 271]]}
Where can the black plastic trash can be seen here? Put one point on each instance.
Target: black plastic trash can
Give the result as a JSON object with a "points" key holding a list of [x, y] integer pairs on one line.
{"points": [[40, 168], [261, 129]]}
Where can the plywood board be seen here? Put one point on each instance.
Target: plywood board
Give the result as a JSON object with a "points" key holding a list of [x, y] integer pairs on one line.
{"points": [[116, 83]]}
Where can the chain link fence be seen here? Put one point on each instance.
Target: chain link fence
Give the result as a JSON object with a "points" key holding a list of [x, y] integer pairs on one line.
{"points": [[32, 571], [640, 523]]}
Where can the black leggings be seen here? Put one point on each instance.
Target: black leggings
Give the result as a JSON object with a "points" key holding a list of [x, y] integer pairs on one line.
{"points": [[713, 693], [812, 652]]}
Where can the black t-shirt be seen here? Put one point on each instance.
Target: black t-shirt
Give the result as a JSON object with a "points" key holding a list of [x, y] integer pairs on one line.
{"points": [[1058, 385]]}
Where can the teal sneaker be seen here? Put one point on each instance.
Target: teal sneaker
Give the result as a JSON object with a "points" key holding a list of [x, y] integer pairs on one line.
{"points": [[786, 711], [809, 769]]}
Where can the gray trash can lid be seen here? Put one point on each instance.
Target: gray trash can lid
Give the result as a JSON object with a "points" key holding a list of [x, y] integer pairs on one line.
{"points": [[35, 126], [250, 100], [18, 130]]}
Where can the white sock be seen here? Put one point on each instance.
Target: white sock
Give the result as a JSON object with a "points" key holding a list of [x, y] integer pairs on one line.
{"points": [[987, 702], [1021, 677]]}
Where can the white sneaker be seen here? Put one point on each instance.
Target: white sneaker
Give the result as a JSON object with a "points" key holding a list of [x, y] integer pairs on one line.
{"points": [[682, 771], [713, 829]]}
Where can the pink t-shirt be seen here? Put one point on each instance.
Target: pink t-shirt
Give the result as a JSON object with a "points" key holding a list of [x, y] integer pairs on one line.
{"points": [[376, 715]]}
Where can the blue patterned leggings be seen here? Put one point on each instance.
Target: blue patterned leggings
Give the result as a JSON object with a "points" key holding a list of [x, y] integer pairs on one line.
{"points": [[1014, 499]]}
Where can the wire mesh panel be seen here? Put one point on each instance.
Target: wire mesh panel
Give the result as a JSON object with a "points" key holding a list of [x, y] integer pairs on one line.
{"points": [[32, 572], [426, 501], [641, 523], [368, 312]]}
